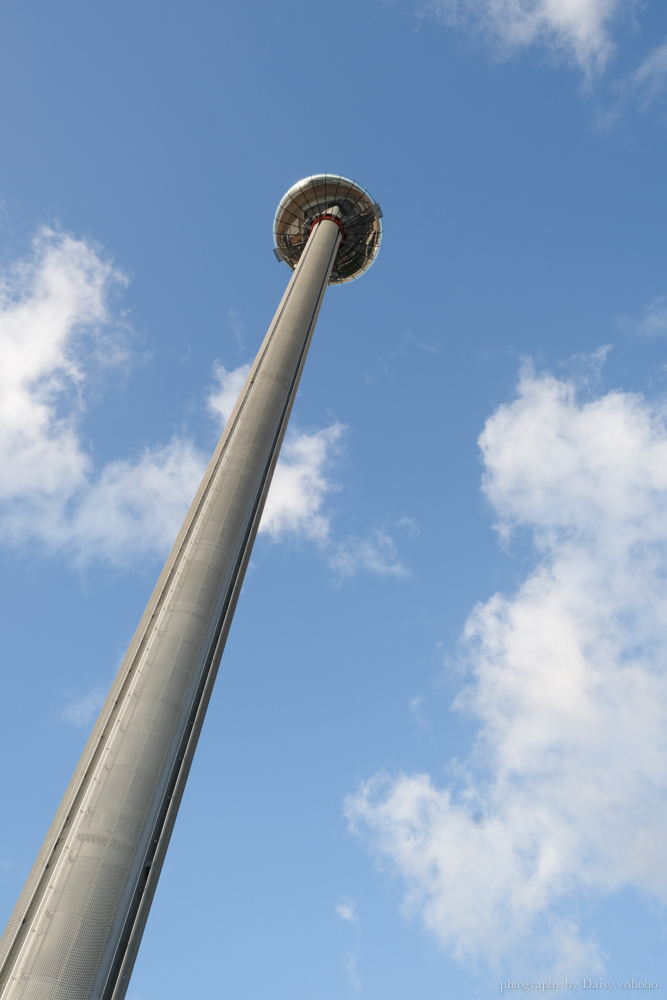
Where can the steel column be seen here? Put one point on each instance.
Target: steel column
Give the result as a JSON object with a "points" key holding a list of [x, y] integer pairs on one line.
{"points": [[76, 929]]}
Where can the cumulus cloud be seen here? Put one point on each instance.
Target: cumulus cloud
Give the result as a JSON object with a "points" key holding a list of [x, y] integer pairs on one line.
{"points": [[55, 325], [135, 506], [57, 330], [565, 789], [47, 303], [295, 506], [577, 30], [300, 484]]}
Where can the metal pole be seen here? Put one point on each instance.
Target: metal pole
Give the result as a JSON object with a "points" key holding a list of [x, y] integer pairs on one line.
{"points": [[76, 929]]}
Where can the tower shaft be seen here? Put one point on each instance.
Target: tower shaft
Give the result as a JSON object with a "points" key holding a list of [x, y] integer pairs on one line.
{"points": [[76, 929]]}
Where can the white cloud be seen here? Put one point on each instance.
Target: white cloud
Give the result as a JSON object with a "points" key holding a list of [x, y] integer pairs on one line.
{"points": [[222, 400], [47, 303], [347, 910], [640, 90], [300, 484], [82, 712], [302, 479], [578, 30], [55, 326], [652, 324], [56, 331], [295, 506], [351, 967], [416, 713], [565, 790], [649, 80], [376, 553], [409, 525], [654, 321], [136, 506]]}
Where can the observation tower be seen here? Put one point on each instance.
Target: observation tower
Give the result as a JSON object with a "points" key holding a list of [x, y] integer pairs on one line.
{"points": [[75, 931]]}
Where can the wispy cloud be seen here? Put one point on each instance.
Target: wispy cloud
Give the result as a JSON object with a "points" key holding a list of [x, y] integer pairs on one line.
{"points": [[352, 969], [416, 713], [578, 31], [81, 712], [653, 322], [409, 525], [236, 327], [643, 90], [648, 83], [347, 910], [565, 790], [376, 553]]}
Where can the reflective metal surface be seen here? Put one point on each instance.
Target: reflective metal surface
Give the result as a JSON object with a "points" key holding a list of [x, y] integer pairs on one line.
{"points": [[359, 217]]}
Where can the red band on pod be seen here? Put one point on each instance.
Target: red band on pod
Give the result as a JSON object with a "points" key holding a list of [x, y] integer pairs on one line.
{"points": [[331, 218]]}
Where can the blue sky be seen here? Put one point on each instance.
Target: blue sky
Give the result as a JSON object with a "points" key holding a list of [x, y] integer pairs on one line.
{"points": [[436, 757]]}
